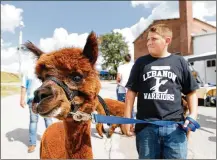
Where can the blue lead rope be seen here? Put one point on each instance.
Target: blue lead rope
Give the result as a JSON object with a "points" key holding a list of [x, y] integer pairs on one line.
{"points": [[193, 125]]}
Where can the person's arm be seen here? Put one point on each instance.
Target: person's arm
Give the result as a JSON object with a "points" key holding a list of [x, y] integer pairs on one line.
{"points": [[133, 88], [118, 79], [23, 91], [22, 97], [130, 98], [189, 87], [192, 101]]}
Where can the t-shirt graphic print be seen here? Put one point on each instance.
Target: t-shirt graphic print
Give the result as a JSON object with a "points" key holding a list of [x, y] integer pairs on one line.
{"points": [[160, 75]]}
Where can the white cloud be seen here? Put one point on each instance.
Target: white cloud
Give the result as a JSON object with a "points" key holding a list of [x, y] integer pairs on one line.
{"points": [[11, 17], [4, 45], [201, 9], [170, 9], [212, 23], [61, 39], [146, 4], [10, 58]]}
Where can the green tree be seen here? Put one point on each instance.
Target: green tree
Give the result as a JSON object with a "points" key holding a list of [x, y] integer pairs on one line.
{"points": [[113, 48]]}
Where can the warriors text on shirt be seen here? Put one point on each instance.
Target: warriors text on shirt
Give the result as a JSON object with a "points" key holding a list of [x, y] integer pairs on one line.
{"points": [[158, 76]]}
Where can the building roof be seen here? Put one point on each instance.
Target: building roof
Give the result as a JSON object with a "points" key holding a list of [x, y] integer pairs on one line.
{"points": [[201, 57], [205, 22], [171, 19], [203, 34]]}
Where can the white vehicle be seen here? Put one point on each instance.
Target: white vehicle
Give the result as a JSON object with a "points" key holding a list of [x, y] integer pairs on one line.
{"points": [[206, 76]]}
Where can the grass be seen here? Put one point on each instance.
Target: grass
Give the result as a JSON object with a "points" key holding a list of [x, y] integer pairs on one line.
{"points": [[9, 90], [9, 77]]}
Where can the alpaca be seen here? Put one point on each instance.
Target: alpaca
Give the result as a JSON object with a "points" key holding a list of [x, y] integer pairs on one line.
{"points": [[116, 108], [70, 85]]}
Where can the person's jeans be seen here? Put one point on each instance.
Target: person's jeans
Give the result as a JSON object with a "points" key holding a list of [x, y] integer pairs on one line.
{"points": [[121, 97], [33, 124], [155, 142]]}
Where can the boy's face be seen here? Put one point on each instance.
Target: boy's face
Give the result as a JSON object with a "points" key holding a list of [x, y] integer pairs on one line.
{"points": [[156, 43]]}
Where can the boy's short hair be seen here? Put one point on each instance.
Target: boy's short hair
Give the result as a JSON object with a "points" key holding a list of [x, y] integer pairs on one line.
{"points": [[161, 29], [127, 57]]}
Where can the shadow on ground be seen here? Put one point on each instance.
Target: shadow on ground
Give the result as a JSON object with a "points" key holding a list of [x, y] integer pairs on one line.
{"points": [[95, 134], [21, 135], [208, 122]]}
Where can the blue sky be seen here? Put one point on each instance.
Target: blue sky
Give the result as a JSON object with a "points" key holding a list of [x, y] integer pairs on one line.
{"points": [[55, 24], [41, 18]]}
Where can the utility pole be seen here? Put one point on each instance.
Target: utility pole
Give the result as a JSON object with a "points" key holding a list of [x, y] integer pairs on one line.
{"points": [[20, 46]]}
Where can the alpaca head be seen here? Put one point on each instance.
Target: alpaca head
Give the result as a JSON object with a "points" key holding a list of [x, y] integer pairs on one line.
{"points": [[69, 79]]}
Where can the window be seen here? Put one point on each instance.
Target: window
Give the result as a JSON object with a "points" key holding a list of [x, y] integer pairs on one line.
{"points": [[210, 63], [213, 63]]}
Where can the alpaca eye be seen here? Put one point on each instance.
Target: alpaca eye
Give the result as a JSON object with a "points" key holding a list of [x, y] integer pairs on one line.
{"points": [[76, 78], [41, 78]]}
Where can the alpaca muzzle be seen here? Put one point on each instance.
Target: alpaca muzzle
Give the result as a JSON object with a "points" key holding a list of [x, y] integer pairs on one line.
{"points": [[42, 93], [70, 94]]}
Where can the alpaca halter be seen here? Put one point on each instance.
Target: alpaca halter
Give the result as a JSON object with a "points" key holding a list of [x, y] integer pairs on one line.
{"points": [[70, 94], [81, 116]]}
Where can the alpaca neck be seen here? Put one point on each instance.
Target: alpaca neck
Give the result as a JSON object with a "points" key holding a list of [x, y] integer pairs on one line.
{"points": [[77, 139]]}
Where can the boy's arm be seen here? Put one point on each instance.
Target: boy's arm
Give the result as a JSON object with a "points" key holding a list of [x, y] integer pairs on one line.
{"points": [[192, 105], [192, 101], [189, 87], [130, 98], [133, 88]]}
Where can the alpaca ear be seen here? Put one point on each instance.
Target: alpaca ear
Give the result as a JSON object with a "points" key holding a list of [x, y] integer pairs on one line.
{"points": [[31, 47], [91, 48]]}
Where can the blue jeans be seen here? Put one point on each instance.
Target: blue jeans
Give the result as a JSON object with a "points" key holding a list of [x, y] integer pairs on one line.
{"points": [[155, 142], [121, 97], [33, 124]]}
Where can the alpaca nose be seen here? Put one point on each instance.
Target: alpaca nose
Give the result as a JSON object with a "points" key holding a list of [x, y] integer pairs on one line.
{"points": [[42, 93]]}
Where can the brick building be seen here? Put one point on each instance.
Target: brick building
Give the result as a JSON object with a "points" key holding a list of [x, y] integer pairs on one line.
{"points": [[183, 28]]}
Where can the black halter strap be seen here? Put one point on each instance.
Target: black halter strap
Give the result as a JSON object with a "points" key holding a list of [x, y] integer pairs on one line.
{"points": [[105, 107], [72, 93], [69, 93]]}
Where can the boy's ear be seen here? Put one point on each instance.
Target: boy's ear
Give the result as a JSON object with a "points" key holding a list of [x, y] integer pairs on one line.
{"points": [[168, 40]]}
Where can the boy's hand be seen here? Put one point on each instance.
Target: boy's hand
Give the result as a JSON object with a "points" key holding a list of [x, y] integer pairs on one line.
{"points": [[187, 121], [127, 131]]}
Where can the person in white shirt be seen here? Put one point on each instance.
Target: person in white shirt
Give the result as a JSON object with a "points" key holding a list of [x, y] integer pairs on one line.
{"points": [[29, 84], [122, 78]]}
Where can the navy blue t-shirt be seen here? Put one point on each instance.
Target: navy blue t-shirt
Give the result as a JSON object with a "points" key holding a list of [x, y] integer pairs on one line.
{"points": [[159, 83]]}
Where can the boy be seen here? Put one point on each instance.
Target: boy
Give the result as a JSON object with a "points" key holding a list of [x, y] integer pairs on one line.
{"points": [[159, 79]]}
